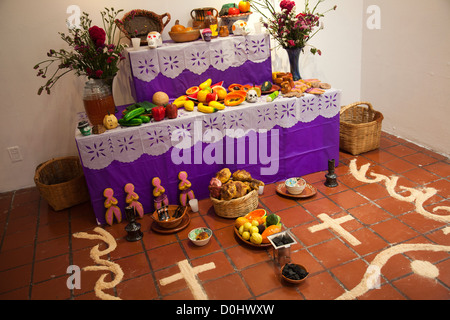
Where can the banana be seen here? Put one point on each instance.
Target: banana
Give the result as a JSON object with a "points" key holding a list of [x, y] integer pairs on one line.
{"points": [[205, 84], [206, 109], [180, 101], [189, 105], [217, 105]]}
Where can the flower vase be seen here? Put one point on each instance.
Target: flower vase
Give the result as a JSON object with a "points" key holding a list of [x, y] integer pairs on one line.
{"points": [[98, 101], [294, 55]]}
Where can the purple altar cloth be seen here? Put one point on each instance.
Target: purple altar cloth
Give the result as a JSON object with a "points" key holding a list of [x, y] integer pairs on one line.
{"points": [[304, 148], [248, 73]]}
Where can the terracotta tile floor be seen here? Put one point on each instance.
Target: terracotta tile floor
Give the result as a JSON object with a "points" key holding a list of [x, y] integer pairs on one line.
{"points": [[37, 246]]}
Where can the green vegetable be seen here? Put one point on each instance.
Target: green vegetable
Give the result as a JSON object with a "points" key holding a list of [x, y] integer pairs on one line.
{"points": [[266, 86], [133, 114], [148, 106], [131, 123], [145, 119], [272, 96], [272, 219]]}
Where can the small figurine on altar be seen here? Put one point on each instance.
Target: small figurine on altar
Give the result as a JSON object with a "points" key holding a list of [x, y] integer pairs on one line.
{"points": [[185, 187], [132, 199], [112, 210], [159, 193], [154, 40]]}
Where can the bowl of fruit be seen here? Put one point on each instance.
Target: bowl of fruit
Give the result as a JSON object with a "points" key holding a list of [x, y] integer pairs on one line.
{"points": [[255, 227]]}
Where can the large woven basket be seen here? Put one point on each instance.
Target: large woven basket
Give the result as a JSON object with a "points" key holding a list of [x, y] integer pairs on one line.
{"points": [[61, 182], [237, 207], [360, 128]]}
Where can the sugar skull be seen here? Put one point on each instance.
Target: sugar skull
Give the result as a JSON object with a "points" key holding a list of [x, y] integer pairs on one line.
{"points": [[154, 39], [240, 28], [206, 34], [252, 96]]}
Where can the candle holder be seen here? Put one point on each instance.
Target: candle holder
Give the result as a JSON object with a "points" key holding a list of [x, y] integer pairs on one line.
{"points": [[133, 228], [331, 177]]}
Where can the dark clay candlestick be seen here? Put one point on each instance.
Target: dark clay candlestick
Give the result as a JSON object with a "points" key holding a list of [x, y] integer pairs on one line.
{"points": [[133, 228], [331, 181]]}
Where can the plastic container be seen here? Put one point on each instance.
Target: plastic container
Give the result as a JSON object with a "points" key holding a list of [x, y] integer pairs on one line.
{"points": [[211, 22]]}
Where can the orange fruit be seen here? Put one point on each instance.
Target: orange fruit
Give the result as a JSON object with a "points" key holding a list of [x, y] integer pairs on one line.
{"points": [[221, 92], [192, 90]]}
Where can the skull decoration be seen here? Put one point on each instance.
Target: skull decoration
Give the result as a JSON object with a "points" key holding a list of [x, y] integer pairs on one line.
{"points": [[206, 34], [154, 40], [240, 28], [252, 95]]}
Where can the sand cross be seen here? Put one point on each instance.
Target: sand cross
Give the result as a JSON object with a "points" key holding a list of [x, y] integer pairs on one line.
{"points": [[335, 224], [190, 275]]}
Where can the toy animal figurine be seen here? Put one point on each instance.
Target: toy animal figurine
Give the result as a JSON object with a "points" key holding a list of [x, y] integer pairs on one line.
{"points": [[132, 199], [159, 194], [154, 40], [240, 28], [112, 210], [185, 187]]}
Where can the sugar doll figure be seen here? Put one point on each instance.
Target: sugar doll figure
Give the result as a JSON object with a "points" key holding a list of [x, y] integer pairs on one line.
{"points": [[159, 194], [185, 187], [132, 200], [112, 210]]}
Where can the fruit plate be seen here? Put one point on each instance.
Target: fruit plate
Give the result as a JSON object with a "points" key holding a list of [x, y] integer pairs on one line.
{"points": [[273, 89], [309, 191], [262, 245]]}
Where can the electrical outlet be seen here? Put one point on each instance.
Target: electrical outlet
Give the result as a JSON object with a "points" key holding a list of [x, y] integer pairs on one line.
{"points": [[14, 154]]}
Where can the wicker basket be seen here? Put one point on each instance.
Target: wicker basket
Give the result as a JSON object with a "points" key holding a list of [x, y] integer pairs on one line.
{"points": [[237, 207], [61, 182], [360, 128]]}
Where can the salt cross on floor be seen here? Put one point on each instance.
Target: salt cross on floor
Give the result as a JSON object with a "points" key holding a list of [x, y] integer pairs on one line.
{"points": [[335, 224], [190, 275]]}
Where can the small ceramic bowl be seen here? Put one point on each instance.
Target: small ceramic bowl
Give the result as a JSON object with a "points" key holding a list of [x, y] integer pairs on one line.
{"points": [[305, 273], [295, 185], [200, 236]]}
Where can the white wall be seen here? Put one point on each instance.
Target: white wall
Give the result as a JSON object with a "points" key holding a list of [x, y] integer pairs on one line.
{"points": [[406, 70], [43, 126]]}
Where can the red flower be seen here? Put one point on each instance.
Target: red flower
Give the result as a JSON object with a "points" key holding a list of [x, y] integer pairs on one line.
{"points": [[98, 73], [291, 43], [288, 5], [98, 36]]}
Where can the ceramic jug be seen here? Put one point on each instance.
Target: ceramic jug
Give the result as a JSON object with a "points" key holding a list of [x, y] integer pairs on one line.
{"points": [[199, 14]]}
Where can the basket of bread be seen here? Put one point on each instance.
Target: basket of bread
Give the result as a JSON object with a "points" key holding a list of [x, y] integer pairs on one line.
{"points": [[234, 195]]}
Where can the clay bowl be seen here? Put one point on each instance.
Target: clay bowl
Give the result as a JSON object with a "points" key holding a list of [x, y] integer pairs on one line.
{"points": [[200, 242], [295, 185], [185, 36], [172, 222], [292, 280]]}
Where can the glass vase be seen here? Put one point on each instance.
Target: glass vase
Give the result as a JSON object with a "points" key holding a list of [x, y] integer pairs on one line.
{"points": [[98, 101], [294, 55]]}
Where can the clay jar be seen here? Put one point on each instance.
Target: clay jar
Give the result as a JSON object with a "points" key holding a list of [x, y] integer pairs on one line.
{"points": [[223, 32]]}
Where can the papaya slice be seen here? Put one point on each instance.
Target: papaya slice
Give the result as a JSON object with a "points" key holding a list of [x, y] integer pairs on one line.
{"points": [[273, 229], [235, 87], [233, 99], [257, 215], [246, 87]]}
